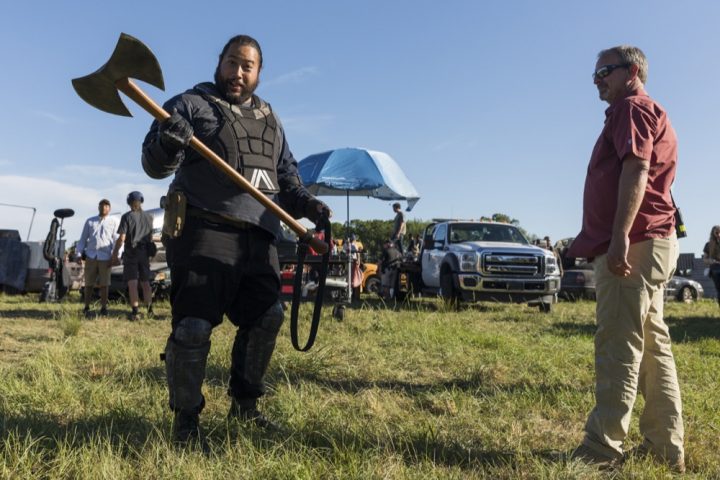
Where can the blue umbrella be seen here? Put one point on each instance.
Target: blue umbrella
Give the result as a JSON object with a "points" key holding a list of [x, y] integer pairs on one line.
{"points": [[357, 172]]}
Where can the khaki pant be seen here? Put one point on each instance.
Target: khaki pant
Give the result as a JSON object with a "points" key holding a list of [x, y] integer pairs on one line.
{"points": [[632, 352], [97, 269]]}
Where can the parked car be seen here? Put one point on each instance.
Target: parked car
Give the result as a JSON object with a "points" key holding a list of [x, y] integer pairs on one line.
{"points": [[578, 283], [683, 290]]}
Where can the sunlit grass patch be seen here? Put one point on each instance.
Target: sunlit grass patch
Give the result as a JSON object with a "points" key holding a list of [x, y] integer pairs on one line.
{"points": [[402, 391]]}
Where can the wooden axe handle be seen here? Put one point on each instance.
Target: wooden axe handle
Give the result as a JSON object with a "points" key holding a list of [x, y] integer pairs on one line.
{"points": [[126, 86]]}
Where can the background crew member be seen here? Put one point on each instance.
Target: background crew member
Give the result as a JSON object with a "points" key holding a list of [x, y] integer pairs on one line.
{"points": [[95, 247], [711, 257], [135, 233], [399, 227]]}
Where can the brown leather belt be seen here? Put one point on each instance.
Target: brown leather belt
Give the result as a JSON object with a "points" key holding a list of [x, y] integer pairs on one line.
{"points": [[218, 218]]}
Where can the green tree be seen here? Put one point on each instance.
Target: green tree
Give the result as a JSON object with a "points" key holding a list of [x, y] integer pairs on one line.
{"points": [[373, 233], [504, 218]]}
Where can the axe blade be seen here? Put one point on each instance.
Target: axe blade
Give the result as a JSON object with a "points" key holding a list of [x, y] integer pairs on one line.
{"points": [[130, 59]]}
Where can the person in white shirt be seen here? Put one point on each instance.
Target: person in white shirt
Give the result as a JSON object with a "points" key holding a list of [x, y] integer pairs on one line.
{"points": [[95, 247]]}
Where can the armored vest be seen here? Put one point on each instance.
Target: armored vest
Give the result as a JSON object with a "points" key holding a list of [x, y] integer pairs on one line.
{"points": [[246, 139]]}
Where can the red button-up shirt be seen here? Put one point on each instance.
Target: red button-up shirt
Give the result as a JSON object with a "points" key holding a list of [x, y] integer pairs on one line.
{"points": [[639, 126]]}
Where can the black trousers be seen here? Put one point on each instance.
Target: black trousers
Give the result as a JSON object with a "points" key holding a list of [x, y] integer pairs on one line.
{"points": [[218, 269], [715, 276]]}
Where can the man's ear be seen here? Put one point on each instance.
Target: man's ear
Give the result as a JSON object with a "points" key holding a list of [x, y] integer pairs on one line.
{"points": [[633, 70]]}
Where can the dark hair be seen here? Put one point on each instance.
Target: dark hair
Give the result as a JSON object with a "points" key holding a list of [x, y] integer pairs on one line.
{"points": [[396, 205], [104, 201], [242, 40]]}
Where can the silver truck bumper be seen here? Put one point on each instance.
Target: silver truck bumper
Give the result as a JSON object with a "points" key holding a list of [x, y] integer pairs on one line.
{"points": [[476, 283]]}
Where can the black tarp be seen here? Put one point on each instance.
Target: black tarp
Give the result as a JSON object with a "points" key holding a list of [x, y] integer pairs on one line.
{"points": [[14, 257]]}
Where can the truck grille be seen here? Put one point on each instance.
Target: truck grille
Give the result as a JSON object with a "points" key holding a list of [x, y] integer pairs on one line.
{"points": [[509, 264]]}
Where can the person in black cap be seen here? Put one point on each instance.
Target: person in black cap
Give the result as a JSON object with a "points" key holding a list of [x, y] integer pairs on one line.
{"points": [[135, 233], [224, 261]]}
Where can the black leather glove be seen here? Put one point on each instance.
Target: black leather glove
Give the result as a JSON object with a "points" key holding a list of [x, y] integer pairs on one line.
{"points": [[175, 132], [315, 209]]}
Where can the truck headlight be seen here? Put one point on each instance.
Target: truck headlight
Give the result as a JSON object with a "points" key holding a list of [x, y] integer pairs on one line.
{"points": [[551, 266], [468, 262]]}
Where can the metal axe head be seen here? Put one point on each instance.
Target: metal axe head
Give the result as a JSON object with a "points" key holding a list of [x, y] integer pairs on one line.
{"points": [[131, 59]]}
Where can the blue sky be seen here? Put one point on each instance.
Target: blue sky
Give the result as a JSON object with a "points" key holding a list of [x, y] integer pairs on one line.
{"points": [[487, 106]]}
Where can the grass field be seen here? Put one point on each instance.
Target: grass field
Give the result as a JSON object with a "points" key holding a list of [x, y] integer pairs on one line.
{"points": [[492, 391]]}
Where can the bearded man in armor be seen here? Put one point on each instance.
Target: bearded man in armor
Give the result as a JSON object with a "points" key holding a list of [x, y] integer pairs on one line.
{"points": [[224, 260]]}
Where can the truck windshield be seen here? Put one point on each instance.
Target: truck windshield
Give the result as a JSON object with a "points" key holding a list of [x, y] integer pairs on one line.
{"points": [[474, 232]]}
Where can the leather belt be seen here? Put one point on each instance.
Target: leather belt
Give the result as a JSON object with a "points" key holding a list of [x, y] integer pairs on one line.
{"points": [[218, 218]]}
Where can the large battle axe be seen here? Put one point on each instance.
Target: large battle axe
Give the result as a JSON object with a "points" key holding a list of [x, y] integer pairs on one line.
{"points": [[132, 58]]}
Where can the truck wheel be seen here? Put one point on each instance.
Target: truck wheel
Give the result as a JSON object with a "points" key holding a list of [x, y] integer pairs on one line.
{"points": [[686, 295], [448, 291], [372, 285], [545, 307], [339, 312]]}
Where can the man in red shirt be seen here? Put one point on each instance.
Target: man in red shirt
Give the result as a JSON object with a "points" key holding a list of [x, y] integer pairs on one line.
{"points": [[629, 229]]}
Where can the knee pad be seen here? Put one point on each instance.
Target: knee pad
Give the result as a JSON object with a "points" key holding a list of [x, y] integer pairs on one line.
{"points": [[272, 319], [185, 369], [192, 332]]}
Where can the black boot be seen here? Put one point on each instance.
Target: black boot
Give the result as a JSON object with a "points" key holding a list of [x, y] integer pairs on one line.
{"points": [[186, 430], [246, 411]]}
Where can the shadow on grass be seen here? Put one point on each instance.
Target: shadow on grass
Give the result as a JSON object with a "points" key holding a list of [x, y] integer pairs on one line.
{"points": [[568, 329], [124, 430], [34, 313], [476, 384], [128, 433], [682, 330], [690, 329], [421, 304], [416, 448], [373, 302]]}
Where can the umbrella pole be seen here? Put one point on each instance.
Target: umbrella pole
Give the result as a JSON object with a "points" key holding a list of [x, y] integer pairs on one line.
{"points": [[349, 249]]}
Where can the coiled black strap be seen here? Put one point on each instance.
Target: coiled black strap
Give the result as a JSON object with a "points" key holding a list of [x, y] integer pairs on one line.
{"points": [[324, 224]]}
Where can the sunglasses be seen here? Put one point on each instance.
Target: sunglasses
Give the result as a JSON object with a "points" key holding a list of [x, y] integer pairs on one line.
{"points": [[606, 70]]}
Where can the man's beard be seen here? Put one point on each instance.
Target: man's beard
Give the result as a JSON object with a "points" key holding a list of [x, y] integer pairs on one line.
{"points": [[233, 98]]}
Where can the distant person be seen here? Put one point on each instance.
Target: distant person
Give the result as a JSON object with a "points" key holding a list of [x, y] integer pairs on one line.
{"points": [[413, 247], [356, 275], [95, 248], [135, 233], [399, 227], [388, 269], [417, 247], [711, 256], [629, 229]]}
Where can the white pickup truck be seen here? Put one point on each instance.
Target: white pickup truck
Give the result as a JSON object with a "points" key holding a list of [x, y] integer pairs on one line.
{"points": [[472, 260]]}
